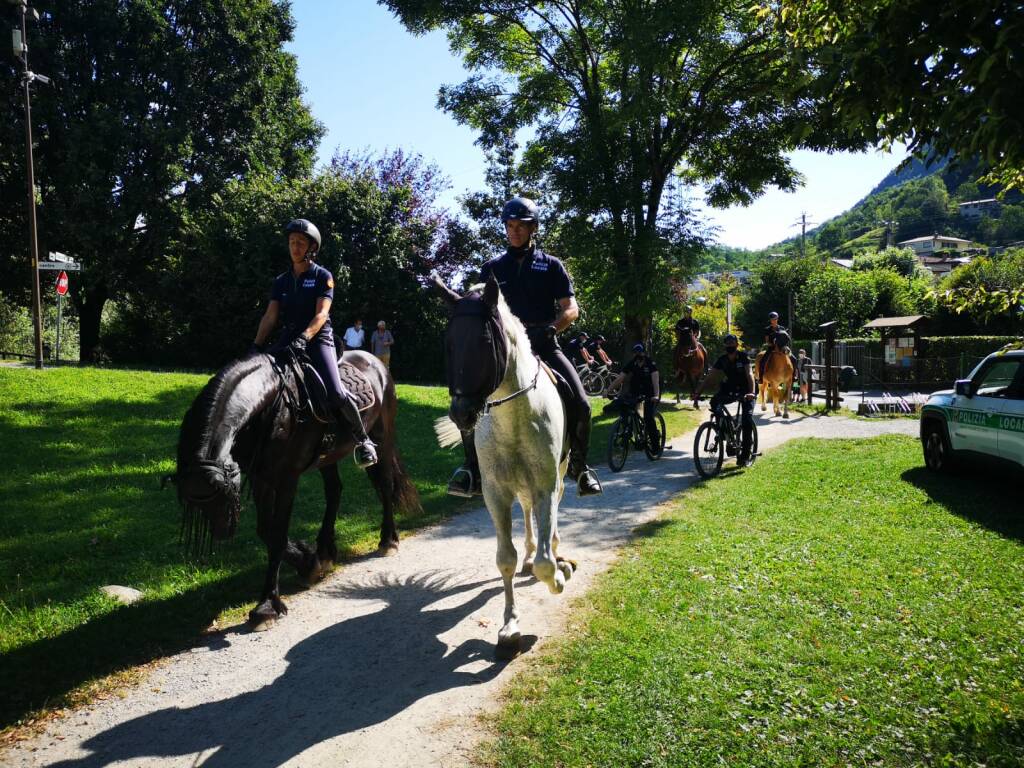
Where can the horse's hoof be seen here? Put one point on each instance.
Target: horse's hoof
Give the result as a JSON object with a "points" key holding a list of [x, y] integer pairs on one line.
{"points": [[387, 550], [764, 408], [566, 568], [508, 639], [527, 569], [568, 562], [265, 615]]}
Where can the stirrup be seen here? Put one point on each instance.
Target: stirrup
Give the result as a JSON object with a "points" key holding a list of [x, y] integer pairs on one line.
{"points": [[365, 454], [583, 490], [464, 484]]}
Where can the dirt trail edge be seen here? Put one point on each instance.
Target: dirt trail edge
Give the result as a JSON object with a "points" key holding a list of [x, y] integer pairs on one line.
{"points": [[390, 660]]}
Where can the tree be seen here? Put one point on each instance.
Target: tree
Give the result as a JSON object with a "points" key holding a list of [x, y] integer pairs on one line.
{"points": [[626, 99], [769, 290], [382, 231], [157, 105], [989, 291], [944, 77]]}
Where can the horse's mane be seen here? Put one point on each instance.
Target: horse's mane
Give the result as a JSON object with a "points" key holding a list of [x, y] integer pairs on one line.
{"points": [[205, 414]]}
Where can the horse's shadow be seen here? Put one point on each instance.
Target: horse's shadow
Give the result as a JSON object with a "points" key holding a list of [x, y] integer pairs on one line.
{"points": [[346, 677]]}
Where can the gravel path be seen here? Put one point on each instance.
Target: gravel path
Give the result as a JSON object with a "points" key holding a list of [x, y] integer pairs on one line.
{"points": [[390, 660]]}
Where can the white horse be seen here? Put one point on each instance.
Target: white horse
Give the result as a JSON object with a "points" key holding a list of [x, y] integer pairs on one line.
{"points": [[500, 390]]}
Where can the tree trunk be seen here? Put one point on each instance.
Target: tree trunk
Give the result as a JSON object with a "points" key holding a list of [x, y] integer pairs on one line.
{"points": [[90, 310]]}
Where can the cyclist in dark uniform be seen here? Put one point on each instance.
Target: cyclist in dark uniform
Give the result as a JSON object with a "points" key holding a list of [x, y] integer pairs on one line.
{"points": [[596, 349], [301, 302], [733, 371], [644, 384], [577, 350], [538, 291], [689, 323]]}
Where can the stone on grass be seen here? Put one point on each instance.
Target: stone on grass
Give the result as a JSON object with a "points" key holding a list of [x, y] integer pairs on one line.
{"points": [[123, 595]]}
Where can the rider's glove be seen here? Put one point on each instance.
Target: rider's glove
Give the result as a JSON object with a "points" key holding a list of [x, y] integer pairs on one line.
{"points": [[298, 346]]}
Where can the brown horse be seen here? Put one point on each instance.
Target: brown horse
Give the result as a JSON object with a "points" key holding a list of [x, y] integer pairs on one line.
{"points": [[688, 360], [777, 380]]}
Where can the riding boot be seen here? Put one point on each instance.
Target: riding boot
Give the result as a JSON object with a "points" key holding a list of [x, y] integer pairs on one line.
{"points": [[465, 483], [587, 483], [347, 415]]}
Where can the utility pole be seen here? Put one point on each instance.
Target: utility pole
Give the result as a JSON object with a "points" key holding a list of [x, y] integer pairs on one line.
{"points": [[890, 228], [21, 51], [803, 223]]}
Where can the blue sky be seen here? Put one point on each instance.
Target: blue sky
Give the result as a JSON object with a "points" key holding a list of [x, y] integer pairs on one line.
{"points": [[374, 86]]}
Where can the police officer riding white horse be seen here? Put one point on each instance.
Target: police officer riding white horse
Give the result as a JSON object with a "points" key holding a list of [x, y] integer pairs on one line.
{"points": [[538, 291]]}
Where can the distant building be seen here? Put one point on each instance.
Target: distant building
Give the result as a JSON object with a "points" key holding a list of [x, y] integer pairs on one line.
{"points": [[926, 246], [975, 209], [844, 263], [741, 276]]}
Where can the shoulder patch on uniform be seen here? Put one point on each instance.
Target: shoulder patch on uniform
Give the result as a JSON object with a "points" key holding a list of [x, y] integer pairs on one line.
{"points": [[330, 282]]}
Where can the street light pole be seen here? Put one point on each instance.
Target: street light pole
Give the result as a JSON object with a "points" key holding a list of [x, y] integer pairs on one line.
{"points": [[27, 77]]}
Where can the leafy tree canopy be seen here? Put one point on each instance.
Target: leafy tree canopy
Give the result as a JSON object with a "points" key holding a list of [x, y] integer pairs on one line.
{"points": [[625, 100], [156, 106], [944, 77]]}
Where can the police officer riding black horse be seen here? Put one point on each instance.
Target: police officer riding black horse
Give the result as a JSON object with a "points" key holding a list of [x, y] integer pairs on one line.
{"points": [[538, 291], [301, 302]]}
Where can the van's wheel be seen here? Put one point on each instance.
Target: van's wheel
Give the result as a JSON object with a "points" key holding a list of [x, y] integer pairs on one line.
{"points": [[938, 454]]}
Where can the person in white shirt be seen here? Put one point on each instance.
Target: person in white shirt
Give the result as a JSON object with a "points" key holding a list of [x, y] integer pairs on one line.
{"points": [[354, 335]]}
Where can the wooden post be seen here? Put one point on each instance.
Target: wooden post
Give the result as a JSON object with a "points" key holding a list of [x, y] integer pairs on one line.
{"points": [[831, 380]]}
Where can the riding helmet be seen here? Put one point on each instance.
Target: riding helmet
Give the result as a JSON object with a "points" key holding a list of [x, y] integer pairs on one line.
{"points": [[600, 338], [730, 338], [519, 209], [638, 347], [773, 315], [687, 308], [304, 227]]}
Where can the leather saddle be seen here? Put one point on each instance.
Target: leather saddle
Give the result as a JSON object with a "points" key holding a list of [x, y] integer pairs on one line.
{"points": [[314, 392], [566, 394]]}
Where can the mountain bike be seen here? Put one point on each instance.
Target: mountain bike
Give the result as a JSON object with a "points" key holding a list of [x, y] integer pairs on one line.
{"points": [[719, 436], [629, 431], [594, 380]]}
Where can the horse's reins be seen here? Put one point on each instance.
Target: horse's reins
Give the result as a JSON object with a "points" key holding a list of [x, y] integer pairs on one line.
{"points": [[495, 403]]}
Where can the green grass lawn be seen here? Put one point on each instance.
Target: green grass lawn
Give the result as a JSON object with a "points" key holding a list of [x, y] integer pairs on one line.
{"points": [[82, 451], [836, 604]]}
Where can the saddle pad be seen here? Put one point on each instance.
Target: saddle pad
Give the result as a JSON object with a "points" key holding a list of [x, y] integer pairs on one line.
{"points": [[357, 384]]}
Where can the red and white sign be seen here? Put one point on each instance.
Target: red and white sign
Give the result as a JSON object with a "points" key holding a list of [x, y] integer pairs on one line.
{"points": [[62, 283]]}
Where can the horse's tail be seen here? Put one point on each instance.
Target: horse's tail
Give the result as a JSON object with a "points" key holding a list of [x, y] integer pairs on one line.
{"points": [[448, 434], [404, 495]]}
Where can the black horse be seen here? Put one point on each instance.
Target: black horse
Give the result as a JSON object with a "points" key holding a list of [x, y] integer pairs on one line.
{"points": [[253, 418]]}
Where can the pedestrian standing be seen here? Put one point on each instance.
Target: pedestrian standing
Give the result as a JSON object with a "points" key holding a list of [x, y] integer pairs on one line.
{"points": [[380, 343], [355, 335]]}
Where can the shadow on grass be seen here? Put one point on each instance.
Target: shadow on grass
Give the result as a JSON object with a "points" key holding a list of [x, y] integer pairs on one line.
{"points": [[42, 673], [988, 495], [999, 743], [348, 676]]}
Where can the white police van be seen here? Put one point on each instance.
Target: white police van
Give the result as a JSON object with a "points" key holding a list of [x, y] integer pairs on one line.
{"points": [[983, 415]]}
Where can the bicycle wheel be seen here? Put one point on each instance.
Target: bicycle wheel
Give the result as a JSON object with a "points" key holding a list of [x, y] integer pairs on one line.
{"points": [[708, 450], [654, 451], [753, 445], [618, 444], [593, 383]]}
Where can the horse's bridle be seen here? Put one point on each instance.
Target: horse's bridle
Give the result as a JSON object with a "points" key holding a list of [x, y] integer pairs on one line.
{"points": [[472, 306]]}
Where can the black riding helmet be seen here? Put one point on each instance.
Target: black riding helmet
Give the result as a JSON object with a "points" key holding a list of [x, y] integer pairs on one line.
{"points": [[773, 315], [730, 340], [304, 227], [519, 209]]}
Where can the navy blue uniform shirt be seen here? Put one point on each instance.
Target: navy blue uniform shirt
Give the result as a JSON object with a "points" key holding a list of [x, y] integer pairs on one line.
{"points": [[770, 332], [688, 323], [298, 297], [735, 373], [641, 382], [532, 287], [573, 349]]}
